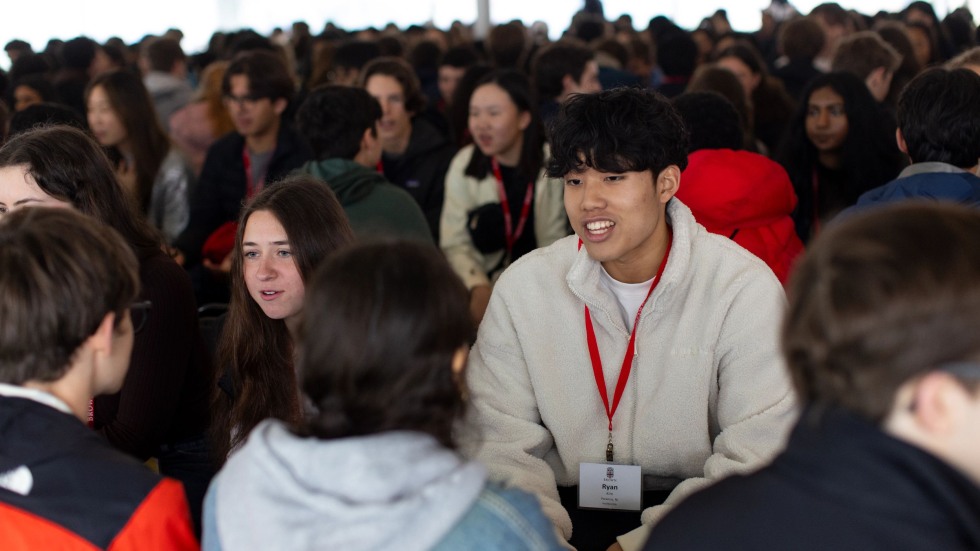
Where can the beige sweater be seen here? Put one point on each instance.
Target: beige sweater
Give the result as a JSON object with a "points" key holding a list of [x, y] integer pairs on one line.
{"points": [[708, 394], [465, 193]]}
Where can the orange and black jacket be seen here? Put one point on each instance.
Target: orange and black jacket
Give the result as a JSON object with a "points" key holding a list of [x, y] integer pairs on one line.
{"points": [[63, 487]]}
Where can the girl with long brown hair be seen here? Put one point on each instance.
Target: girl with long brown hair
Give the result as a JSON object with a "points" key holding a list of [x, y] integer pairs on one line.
{"points": [[286, 230]]}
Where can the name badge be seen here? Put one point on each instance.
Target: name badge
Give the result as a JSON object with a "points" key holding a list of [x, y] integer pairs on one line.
{"points": [[609, 486]]}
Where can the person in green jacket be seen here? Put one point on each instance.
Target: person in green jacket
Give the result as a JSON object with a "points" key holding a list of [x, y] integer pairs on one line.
{"points": [[340, 124]]}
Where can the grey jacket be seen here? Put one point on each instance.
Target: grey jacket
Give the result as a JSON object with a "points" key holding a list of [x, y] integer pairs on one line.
{"points": [[395, 490]]}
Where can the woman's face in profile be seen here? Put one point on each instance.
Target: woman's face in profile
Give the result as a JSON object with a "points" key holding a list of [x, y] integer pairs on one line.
{"points": [[18, 189], [271, 275], [826, 120]]}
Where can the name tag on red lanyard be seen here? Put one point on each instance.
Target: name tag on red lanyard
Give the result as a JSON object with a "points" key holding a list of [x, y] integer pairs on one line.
{"points": [[610, 486]]}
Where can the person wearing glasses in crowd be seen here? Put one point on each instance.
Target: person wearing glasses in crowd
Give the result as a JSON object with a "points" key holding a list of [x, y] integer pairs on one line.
{"points": [[161, 409], [881, 342], [263, 148]]}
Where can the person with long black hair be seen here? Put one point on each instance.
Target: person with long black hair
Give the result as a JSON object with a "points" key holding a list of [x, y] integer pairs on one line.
{"points": [[499, 203], [838, 146]]}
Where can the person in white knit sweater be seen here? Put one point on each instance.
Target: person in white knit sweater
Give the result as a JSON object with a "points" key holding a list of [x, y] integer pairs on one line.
{"points": [[640, 356]]}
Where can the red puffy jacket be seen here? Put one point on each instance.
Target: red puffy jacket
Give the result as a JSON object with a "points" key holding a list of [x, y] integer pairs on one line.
{"points": [[746, 197]]}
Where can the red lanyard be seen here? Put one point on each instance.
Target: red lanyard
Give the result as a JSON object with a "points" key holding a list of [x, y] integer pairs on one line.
{"points": [[624, 371], [511, 235], [250, 188]]}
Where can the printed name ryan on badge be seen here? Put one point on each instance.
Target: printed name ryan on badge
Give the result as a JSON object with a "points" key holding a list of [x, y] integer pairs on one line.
{"points": [[609, 486]]}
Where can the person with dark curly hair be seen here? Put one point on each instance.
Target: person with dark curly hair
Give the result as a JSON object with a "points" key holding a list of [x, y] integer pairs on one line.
{"points": [[639, 354], [341, 125], [382, 347]]}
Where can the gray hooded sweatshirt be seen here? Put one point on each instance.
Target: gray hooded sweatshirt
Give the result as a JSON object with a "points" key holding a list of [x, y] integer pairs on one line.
{"points": [[395, 490]]}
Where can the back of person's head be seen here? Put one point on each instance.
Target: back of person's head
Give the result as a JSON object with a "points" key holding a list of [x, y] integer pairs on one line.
{"points": [[333, 119], [960, 28], [398, 69], [267, 72], [556, 61], [588, 26], [611, 52], [801, 39], [391, 46], [711, 78], [78, 53], [18, 46], [381, 338], [425, 55], [875, 303], [968, 59], [163, 53], [29, 64], [61, 273], [43, 114], [355, 54], [939, 117], [619, 130], [711, 121], [461, 57], [863, 52], [831, 12], [506, 45], [748, 54], [246, 40], [69, 165], [209, 90], [677, 53]]}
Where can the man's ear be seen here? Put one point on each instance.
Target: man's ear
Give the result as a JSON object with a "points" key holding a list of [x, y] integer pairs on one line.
{"points": [[101, 340], [568, 85], [668, 182], [524, 120], [878, 81], [367, 139], [936, 399], [900, 140], [279, 105]]}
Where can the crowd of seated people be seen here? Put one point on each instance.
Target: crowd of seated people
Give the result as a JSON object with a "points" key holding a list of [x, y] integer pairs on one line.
{"points": [[418, 288]]}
